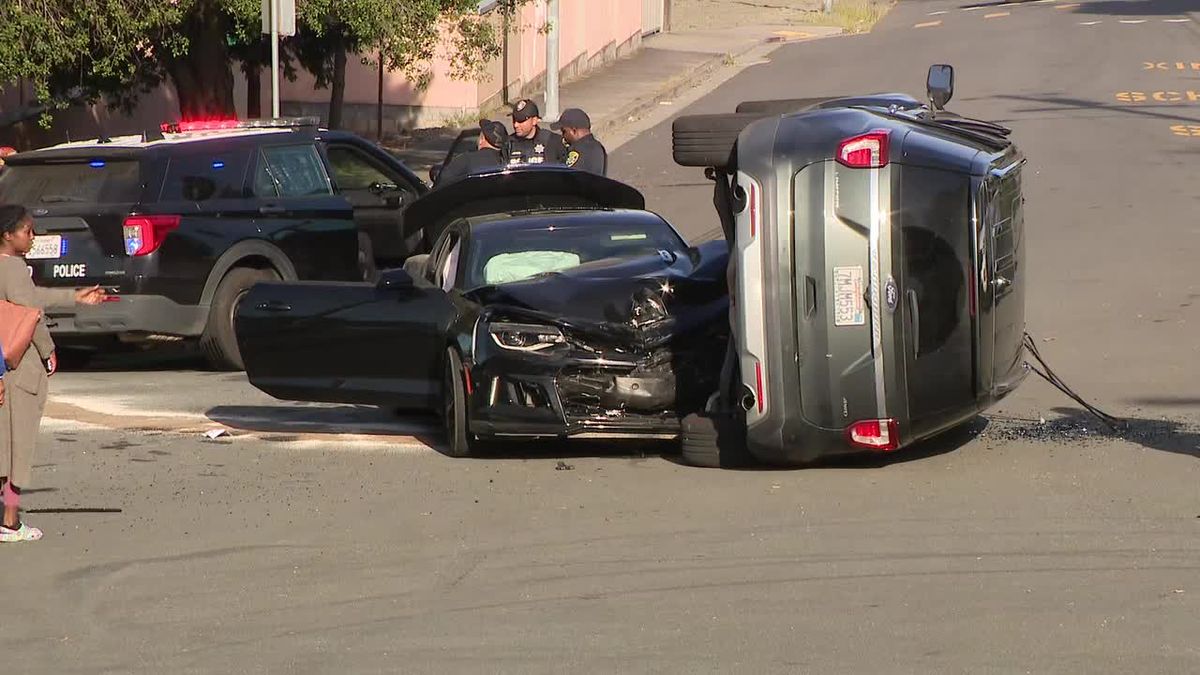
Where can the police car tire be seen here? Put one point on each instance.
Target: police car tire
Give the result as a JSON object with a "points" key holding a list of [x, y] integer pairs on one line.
{"points": [[714, 441], [780, 106], [219, 342], [707, 140]]}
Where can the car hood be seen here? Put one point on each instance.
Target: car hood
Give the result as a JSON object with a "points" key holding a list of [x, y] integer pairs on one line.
{"points": [[636, 302], [516, 189]]}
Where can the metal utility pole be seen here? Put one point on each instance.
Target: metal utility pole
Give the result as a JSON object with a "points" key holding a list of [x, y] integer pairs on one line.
{"points": [[278, 19], [551, 111], [275, 58]]}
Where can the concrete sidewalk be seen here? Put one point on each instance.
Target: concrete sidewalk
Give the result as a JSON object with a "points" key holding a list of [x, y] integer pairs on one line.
{"points": [[666, 65]]}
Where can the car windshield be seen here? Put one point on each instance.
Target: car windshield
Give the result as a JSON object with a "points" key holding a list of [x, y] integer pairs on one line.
{"points": [[517, 249]]}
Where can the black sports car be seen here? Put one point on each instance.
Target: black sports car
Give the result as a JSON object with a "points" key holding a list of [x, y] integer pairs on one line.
{"points": [[551, 304]]}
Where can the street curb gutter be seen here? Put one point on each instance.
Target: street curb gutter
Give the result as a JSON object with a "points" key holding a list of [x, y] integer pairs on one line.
{"points": [[680, 83]]}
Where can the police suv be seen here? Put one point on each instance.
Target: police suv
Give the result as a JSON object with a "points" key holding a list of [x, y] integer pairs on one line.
{"points": [[177, 224]]}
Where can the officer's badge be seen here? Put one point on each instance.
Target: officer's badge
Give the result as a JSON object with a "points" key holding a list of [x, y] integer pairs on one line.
{"points": [[539, 148], [520, 106], [572, 157]]}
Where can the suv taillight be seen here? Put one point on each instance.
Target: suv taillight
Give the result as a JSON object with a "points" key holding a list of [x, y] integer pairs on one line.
{"points": [[874, 434], [144, 234], [868, 151]]}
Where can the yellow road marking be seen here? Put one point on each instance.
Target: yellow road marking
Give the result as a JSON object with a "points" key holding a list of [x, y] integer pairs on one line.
{"points": [[1160, 96], [1186, 130], [996, 15], [928, 24], [1162, 65]]}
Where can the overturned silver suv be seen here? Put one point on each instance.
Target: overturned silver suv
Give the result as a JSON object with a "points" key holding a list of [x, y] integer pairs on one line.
{"points": [[876, 273]]}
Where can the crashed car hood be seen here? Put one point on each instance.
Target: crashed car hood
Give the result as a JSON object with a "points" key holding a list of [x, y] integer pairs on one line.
{"points": [[638, 301]]}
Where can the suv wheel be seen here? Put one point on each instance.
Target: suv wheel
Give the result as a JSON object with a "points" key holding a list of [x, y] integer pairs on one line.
{"points": [[714, 440], [219, 341]]}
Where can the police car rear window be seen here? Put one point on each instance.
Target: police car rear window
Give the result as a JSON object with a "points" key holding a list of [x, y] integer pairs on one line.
{"points": [[87, 181]]}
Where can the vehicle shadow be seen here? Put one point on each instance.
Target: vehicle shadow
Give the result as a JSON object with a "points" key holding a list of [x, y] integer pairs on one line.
{"points": [[299, 418], [122, 358], [1077, 427], [1137, 7]]}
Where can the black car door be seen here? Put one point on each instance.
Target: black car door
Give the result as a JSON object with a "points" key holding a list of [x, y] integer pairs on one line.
{"points": [[378, 194], [376, 344]]}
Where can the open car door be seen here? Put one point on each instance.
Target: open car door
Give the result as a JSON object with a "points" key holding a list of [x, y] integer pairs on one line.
{"points": [[376, 344]]}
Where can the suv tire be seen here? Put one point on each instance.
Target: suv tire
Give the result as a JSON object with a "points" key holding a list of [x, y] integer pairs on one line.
{"points": [[707, 140], [715, 441], [219, 341]]}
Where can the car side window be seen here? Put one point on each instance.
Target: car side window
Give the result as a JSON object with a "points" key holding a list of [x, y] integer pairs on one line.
{"points": [[203, 176], [290, 171], [354, 170]]}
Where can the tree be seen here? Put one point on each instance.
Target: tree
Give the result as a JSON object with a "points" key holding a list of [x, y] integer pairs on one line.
{"points": [[407, 34], [72, 50]]}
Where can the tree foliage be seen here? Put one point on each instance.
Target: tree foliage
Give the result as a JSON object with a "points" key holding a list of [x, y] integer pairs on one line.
{"points": [[73, 50]]}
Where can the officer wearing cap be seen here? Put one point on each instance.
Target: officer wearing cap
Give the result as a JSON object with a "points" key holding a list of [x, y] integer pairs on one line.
{"points": [[489, 154], [529, 143], [584, 152]]}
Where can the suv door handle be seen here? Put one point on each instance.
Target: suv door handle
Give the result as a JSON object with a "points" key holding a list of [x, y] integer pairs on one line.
{"points": [[271, 210], [273, 306], [914, 313]]}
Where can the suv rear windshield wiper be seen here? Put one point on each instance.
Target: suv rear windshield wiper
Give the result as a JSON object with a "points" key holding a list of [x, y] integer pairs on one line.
{"points": [[58, 199]]}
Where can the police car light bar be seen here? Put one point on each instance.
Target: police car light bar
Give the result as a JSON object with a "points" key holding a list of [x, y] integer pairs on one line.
{"points": [[226, 124]]}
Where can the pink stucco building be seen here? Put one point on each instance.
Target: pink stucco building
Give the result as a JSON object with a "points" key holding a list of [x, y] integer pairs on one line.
{"points": [[591, 33]]}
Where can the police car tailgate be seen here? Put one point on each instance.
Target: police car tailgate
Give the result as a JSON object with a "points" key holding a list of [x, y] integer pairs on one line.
{"points": [[78, 250]]}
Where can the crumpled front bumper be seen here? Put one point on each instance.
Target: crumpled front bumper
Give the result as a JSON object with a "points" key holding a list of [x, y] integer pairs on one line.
{"points": [[595, 395]]}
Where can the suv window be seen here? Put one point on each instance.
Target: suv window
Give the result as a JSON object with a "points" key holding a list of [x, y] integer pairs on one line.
{"points": [[290, 171], [354, 170], [200, 177], [89, 181]]}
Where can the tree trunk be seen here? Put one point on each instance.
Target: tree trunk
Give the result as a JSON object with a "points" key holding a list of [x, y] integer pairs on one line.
{"points": [[202, 77], [337, 95], [253, 91]]}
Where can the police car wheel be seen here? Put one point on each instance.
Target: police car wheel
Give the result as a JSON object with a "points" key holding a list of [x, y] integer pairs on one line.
{"points": [[219, 342], [707, 140], [714, 440]]}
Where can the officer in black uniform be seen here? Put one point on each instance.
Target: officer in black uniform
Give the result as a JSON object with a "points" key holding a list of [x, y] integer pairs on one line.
{"points": [[584, 152], [529, 143], [489, 155]]}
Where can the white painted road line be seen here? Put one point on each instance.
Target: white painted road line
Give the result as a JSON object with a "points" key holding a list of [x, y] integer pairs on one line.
{"points": [[1177, 20], [1089, 23], [1133, 21]]}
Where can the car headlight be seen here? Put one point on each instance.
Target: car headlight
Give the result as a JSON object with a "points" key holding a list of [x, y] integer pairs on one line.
{"points": [[525, 337]]}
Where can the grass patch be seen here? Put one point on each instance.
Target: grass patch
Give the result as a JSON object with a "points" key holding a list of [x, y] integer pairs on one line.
{"points": [[853, 16]]}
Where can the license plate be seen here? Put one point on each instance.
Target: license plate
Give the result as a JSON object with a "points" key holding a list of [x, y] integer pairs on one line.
{"points": [[45, 247], [848, 304]]}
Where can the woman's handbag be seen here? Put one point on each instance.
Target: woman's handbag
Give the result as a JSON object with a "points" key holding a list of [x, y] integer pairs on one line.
{"points": [[17, 323]]}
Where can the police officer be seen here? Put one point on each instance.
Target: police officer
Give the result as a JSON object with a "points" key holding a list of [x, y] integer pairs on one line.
{"points": [[529, 143], [584, 152], [489, 154]]}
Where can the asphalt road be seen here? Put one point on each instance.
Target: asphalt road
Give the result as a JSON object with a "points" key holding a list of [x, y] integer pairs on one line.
{"points": [[1016, 547]]}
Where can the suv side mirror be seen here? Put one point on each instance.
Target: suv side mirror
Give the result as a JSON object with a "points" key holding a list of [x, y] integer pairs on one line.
{"points": [[940, 85], [395, 279], [434, 172]]}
